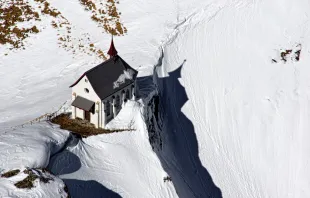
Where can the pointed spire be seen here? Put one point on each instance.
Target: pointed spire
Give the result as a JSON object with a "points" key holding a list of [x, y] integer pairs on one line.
{"points": [[112, 51]]}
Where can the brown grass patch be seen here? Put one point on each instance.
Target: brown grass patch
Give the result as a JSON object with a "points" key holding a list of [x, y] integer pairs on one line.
{"points": [[28, 181], [106, 16], [88, 4], [10, 173], [14, 12], [79, 127]]}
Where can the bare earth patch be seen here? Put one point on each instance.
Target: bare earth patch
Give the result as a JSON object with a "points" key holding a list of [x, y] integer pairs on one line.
{"points": [[289, 54], [16, 14], [105, 15], [10, 173], [81, 127], [28, 181], [33, 174]]}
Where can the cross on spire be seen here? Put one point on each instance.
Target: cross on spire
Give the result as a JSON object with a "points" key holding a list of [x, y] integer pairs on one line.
{"points": [[112, 51]]}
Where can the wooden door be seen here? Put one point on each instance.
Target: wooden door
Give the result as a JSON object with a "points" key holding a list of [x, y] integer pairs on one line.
{"points": [[87, 115]]}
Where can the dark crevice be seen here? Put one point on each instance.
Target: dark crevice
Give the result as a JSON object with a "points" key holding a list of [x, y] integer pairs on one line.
{"points": [[172, 135]]}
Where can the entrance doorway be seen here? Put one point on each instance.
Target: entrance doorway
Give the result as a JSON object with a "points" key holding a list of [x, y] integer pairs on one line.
{"points": [[87, 115]]}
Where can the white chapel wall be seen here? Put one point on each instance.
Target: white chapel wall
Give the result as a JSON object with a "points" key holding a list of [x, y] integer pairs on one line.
{"points": [[79, 90], [99, 117]]}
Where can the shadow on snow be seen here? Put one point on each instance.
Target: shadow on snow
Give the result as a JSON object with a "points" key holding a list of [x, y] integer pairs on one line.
{"points": [[179, 154], [67, 162], [80, 188]]}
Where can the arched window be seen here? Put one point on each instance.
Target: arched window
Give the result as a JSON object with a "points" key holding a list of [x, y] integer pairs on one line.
{"points": [[117, 101], [133, 90], [127, 94], [107, 108]]}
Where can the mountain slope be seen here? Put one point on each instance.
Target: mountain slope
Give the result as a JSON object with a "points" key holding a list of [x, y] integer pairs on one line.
{"points": [[233, 100], [35, 81], [225, 100], [121, 162]]}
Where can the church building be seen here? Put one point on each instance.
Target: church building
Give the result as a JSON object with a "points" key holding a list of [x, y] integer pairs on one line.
{"points": [[99, 94]]}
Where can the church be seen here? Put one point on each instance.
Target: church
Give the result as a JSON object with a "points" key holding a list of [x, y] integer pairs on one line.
{"points": [[99, 94]]}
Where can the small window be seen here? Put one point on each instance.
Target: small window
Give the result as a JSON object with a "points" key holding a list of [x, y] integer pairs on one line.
{"points": [[127, 94], [117, 101], [107, 107], [86, 90], [86, 80]]}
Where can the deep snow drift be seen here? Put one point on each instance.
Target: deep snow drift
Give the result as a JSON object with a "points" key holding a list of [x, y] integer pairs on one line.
{"points": [[31, 147], [229, 112], [116, 165]]}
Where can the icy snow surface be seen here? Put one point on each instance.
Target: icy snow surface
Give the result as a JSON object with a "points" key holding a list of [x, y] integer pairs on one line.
{"points": [[234, 123]]}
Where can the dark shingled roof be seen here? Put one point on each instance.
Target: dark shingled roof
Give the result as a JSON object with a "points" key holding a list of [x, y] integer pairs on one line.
{"points": [[83, 103], [110, 76]]}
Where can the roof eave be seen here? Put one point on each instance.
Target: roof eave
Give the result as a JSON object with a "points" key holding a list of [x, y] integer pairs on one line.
{"points": [[132, 82], [76, 82]]}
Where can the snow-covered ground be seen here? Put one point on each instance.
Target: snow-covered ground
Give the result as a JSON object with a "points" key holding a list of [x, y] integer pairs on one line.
{"points": [[234, 122], [55, 187], [30, 147], [117, 165], [232, 115], [36, 81]]}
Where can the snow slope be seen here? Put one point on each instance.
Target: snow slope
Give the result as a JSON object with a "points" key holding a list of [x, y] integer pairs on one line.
{"points": [[36, 81], [32, 77], [55, 187], [116, 165], [234, 124], [30, 147], [230, 114]]}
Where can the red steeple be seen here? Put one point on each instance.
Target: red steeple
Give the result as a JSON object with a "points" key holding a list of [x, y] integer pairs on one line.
{"points": [[112, 51]]}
